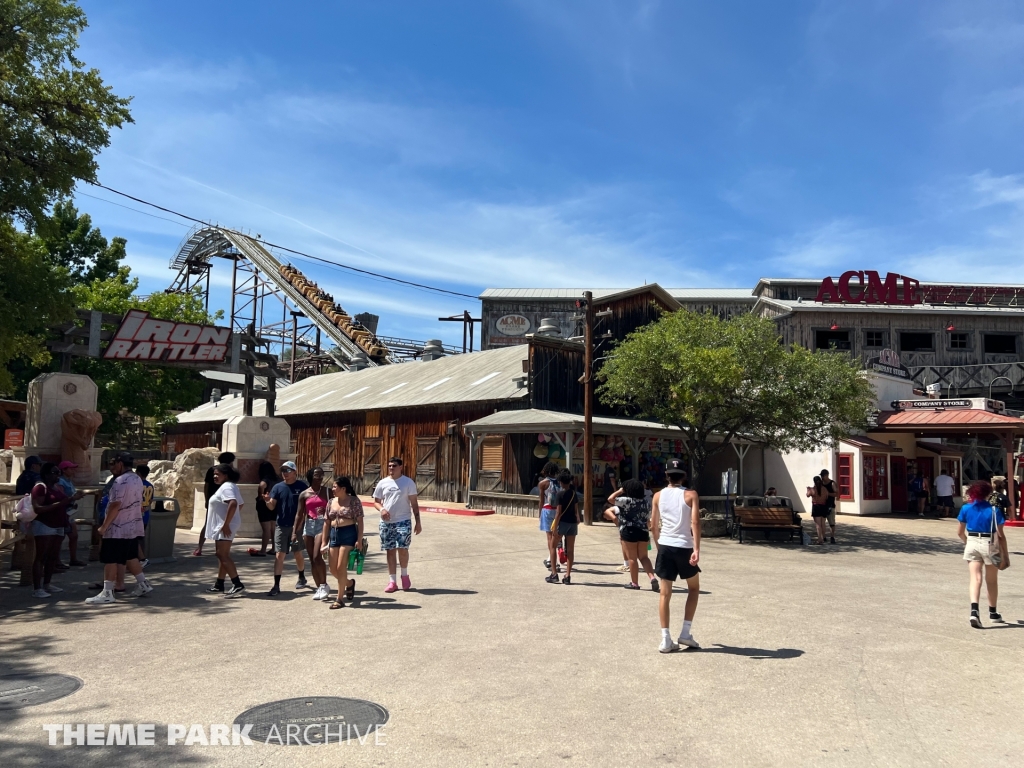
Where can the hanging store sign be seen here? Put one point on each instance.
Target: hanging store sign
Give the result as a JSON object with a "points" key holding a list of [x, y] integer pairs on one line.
{"points": [[512, 325], [888, 362], [142, 338], [912, 405]]}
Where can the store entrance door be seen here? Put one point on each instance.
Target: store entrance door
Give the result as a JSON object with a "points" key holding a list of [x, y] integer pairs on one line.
{"points": [[898, 477]]}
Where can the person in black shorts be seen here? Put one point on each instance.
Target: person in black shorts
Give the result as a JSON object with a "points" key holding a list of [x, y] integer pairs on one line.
{"points": [[266, 516], [632, 513], [675, 523], [818, 495], [830, 505], [566, 524]]}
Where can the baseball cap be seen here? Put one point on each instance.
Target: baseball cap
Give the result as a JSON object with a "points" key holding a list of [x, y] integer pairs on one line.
{"points": [[290, 466], [124, 457], [674, 466], [66, 465], [33, 460]]}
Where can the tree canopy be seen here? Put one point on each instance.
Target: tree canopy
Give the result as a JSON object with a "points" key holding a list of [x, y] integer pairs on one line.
{"points": [[722, 379], [55, 116]]}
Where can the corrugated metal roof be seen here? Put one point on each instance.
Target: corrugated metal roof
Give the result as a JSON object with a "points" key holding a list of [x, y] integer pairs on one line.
{"points": [[938, 419], [553, 294], [479, 376]]}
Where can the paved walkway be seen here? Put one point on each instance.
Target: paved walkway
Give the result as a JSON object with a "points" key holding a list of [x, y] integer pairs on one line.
{"points": [[853, 655]]}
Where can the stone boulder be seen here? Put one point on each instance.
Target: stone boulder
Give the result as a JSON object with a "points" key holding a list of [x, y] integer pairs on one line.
{"points": [[6, 460], [180, 479]]}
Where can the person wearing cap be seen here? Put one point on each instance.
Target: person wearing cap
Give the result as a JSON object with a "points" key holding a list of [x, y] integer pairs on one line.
{"points": [[675, 523], [71, 531], [209, 488], [29, 477], [121, 527], [283, 498], [395, 499]]}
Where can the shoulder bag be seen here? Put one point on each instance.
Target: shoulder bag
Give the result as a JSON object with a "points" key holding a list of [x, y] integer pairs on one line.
{"points": [[997, 548]]}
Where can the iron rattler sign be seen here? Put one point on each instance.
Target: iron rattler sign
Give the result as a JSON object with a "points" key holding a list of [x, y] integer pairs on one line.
{"points": [[143, 338]]}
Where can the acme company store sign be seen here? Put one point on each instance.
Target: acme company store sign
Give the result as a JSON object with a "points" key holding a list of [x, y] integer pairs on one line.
{"points": [[865, 286]]}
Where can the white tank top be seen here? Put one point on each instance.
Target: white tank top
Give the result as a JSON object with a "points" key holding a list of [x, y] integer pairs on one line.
{"points": [[676, 530]]}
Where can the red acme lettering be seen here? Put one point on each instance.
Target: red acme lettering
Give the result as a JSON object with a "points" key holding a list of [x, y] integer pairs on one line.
{"points": [[141, 338], [869, 289]]}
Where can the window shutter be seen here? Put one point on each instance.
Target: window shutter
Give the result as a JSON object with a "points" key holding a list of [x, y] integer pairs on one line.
{"points": [[492, 454]]}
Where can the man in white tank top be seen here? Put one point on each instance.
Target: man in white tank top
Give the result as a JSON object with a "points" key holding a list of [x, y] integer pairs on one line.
{"points": [[675, 523]]}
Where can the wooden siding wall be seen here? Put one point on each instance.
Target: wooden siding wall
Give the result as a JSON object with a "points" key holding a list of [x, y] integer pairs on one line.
{"points": [[185, 436], [799, 328], [413, 430], [726, 310]]}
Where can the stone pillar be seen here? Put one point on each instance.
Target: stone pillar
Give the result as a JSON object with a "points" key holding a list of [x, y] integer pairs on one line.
{"points": [[50, 396], [249, 438]]}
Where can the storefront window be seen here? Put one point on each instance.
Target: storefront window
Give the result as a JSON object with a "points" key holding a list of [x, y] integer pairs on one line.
{"points": [[952, 468], [876, 480], [845, 478]]}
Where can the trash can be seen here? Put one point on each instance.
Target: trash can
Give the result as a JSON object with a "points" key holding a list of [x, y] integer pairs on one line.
{"points": [[162, 524]]}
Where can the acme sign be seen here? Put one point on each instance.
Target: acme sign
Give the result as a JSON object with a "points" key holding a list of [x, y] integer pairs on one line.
{"points": [[866, 287], [146, 339]]}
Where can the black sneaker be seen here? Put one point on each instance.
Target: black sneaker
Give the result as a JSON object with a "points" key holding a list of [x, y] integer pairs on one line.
{"points": [[655, 586], [235, 591], [975, 620], [547, 564], [993, 616], [215, 588], [274, 591], [832, 540], [566, 580], [301, 584], [551, 579]]}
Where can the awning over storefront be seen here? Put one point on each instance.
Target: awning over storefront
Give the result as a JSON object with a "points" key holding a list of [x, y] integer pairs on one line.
{"points": [[535, 420], [948, 421], [867, 444]]}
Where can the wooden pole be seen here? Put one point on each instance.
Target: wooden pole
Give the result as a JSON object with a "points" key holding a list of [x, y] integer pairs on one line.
{"points": [[588, 410]]}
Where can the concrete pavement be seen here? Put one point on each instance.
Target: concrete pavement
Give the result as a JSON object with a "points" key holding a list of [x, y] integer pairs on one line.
{"points": [[853, 655]]}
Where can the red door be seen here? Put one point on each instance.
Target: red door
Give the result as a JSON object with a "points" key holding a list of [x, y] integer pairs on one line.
{"points": [[898, 478]]}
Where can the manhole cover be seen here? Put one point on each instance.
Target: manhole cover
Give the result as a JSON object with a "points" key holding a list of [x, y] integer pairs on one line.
{"points": [[28, 690], [312, 720]]}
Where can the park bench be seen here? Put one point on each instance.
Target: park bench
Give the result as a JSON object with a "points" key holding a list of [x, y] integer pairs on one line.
{"points": [[767, 519]]}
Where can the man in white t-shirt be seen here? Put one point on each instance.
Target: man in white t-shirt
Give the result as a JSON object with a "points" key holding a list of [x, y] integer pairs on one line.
{"points": [[945, 489], [675, 523], [395, 499]]}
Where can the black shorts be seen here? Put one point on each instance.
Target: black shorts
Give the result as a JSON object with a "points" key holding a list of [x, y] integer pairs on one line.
{"points": [[568, 529], [634, 535], [674, 563], [265, 515], [118, 551], [945, 501], [819, 510]]}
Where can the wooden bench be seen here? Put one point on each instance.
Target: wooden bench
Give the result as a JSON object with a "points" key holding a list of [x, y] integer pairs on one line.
{"points": [[768, 519]]}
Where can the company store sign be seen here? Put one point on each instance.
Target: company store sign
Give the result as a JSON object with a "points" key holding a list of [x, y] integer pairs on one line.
{"points": [[143, 338], [888, 362], [512, 325]]}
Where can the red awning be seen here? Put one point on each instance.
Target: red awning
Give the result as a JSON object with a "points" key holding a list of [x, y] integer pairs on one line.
{"points": [[953, 419]]}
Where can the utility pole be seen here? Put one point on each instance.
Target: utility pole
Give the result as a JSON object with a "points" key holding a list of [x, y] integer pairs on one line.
{"points": [[588, 409]]}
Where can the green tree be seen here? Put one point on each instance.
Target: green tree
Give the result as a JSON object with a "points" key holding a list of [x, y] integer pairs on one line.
{"points": [[55, 116], [129, 390], [722, 379], [81, 249]]}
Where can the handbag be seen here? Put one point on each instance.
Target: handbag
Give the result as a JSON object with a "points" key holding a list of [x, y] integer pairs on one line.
{"points": [[24, 511], [1000, 558]]}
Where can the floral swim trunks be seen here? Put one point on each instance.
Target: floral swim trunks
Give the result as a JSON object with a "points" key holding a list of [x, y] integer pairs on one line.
{"points": [[395, 535]]}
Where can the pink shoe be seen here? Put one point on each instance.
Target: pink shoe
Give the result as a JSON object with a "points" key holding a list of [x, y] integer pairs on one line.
{"points": [[406, 584], [391, 587]]}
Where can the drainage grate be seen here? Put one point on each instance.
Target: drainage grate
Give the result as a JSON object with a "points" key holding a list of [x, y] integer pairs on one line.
{"points": [[312, 720], [28, 690]]}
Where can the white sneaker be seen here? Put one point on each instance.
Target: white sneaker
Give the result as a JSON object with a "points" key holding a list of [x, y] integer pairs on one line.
{"points": [[141, 589], [319, 594], [52, 588], [40, 593], [667, 646], [103, 597], [688, 641]]}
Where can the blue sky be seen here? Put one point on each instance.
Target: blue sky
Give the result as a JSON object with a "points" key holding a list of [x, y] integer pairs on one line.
{"points": [[539, 143]]}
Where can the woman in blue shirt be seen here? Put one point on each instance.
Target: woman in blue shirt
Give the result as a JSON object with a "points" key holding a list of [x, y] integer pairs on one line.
{"points": [[981, 530]]}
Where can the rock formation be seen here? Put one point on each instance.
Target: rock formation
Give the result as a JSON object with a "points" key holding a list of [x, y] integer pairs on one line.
{"points": [[179, 478]]}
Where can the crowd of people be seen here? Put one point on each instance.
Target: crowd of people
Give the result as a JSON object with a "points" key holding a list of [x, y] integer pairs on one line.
{"points": [[324, 523]]}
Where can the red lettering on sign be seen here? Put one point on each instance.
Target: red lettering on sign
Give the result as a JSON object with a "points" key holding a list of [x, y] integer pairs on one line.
{"points": [[844, 287], [882, 293], [827, 293]]}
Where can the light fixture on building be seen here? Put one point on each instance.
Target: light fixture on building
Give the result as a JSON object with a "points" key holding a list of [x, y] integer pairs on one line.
{"points": [[834, 326], [950, 327]]}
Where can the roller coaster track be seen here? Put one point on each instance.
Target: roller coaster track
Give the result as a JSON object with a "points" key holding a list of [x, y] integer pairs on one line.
{"points": [[193, 260]]}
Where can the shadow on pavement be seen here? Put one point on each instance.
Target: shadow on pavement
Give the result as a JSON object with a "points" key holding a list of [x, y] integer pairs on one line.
{"points": [[754, 653], [856, 537], [382, 604], [431, 592]]}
